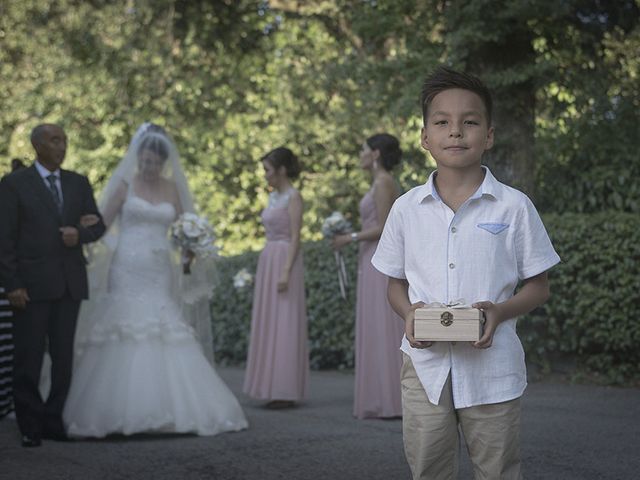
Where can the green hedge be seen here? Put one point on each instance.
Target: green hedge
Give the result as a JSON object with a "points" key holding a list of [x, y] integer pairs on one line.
{"points": [[593, 316], [330, 317]]}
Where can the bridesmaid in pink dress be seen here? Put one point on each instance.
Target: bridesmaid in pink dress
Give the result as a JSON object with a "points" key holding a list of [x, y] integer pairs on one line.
{"points": [[278, 359], [379, 330]]}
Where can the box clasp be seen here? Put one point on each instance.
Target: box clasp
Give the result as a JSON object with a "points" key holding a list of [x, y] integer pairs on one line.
{"points": [[446, 319]]}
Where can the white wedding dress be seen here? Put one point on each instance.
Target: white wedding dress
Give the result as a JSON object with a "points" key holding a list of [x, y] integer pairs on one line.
{"points": [[141, 368]]}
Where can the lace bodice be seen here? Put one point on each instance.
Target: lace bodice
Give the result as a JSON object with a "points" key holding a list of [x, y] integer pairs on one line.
{"points": [[275, 217], [140, 301], [278, 199], [141, 262], [145, 221]]}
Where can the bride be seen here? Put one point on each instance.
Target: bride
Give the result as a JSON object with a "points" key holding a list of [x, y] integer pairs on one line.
{"points": [[138, 366]]}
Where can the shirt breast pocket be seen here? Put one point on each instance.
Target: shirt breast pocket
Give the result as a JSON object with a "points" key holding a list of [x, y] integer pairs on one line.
{"points": [[493, 240], [495, 228]]}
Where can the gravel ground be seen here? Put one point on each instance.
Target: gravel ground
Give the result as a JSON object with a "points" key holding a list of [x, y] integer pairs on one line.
{"points": [[568, 432]]}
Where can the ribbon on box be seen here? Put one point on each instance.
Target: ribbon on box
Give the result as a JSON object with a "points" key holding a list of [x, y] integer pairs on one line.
{"points": [[460, 303]]}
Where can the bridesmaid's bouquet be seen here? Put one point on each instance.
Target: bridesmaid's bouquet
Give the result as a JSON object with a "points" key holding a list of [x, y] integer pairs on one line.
{"points": [[194, 235], [336, 224]]}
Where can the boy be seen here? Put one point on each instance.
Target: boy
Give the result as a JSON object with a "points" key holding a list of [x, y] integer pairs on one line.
{"points": [[463, 236]]}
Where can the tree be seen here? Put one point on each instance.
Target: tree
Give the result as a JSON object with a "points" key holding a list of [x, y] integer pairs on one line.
{"points": [[231, 80]]}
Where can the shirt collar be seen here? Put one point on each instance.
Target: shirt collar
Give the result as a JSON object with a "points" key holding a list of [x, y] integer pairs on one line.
{"points": [[487, 187], [44, 173]]}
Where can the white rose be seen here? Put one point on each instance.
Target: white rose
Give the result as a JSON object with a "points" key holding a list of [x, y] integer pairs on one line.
{"points": [[191, 230]]}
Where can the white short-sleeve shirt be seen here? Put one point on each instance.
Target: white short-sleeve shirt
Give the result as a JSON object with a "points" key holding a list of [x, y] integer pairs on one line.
{"points": [[478, 253]]}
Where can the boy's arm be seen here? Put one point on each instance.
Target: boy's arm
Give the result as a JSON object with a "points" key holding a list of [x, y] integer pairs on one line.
{"points": [[534, 292], [398, 295]]}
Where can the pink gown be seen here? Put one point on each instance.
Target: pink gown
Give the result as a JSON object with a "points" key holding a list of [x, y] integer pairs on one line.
{"points": [[379, 332], [278, 358]]}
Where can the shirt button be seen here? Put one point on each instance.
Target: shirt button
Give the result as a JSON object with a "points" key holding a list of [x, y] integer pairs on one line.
{"points": [[454, 229], [452, 265]]}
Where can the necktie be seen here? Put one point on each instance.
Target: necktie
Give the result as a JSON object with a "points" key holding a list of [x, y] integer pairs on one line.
{"points": [[54, 191]]}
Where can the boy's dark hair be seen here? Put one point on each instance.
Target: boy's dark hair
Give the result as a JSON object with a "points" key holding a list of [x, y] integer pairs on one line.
{"points": [[389, 148], [283, 157], [445, 78]]}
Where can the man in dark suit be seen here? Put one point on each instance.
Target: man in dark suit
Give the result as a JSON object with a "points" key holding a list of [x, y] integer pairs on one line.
{"points": [[42, 268]]}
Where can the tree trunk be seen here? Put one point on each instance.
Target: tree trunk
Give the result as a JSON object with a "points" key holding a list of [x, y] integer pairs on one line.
{"points": [[512, 158], [505, 64]]}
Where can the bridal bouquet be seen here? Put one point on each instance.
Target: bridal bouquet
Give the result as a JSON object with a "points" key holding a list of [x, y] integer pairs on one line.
{"points": [[194, 235], [336, 224]]}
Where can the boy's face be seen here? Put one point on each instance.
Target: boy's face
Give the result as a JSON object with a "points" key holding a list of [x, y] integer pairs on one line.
{"points": [[456, 132]]}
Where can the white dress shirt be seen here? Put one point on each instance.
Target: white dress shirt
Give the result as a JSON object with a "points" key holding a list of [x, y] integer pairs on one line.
{"points": [[44, 173], [478, 253]]}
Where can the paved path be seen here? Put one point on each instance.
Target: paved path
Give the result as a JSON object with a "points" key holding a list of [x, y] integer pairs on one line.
{"points": [[568, 433]]}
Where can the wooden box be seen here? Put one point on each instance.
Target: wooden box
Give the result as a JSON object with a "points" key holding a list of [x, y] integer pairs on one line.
{"points": [[448, 324]]}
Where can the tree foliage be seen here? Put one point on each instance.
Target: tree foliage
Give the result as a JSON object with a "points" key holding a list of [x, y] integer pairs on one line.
{"points": [[232, 79]]}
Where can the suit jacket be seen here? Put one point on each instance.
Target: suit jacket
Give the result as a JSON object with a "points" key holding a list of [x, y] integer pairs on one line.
{"points": [[32, 254]]}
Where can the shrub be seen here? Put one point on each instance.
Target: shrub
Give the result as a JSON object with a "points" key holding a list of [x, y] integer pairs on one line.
{"points": [[331, 318], [594, 308], [592, 316], [231, 310]]}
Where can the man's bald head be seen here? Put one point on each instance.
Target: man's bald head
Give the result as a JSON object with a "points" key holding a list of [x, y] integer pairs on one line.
{"points": [[38, 133], [50, 144]]}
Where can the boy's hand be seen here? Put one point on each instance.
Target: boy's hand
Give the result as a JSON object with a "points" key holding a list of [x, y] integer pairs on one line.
{"points": [[408, 327], [493, 318]]}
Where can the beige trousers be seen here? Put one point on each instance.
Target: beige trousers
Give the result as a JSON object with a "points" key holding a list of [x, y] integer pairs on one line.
{"points": [[430, 433]]}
